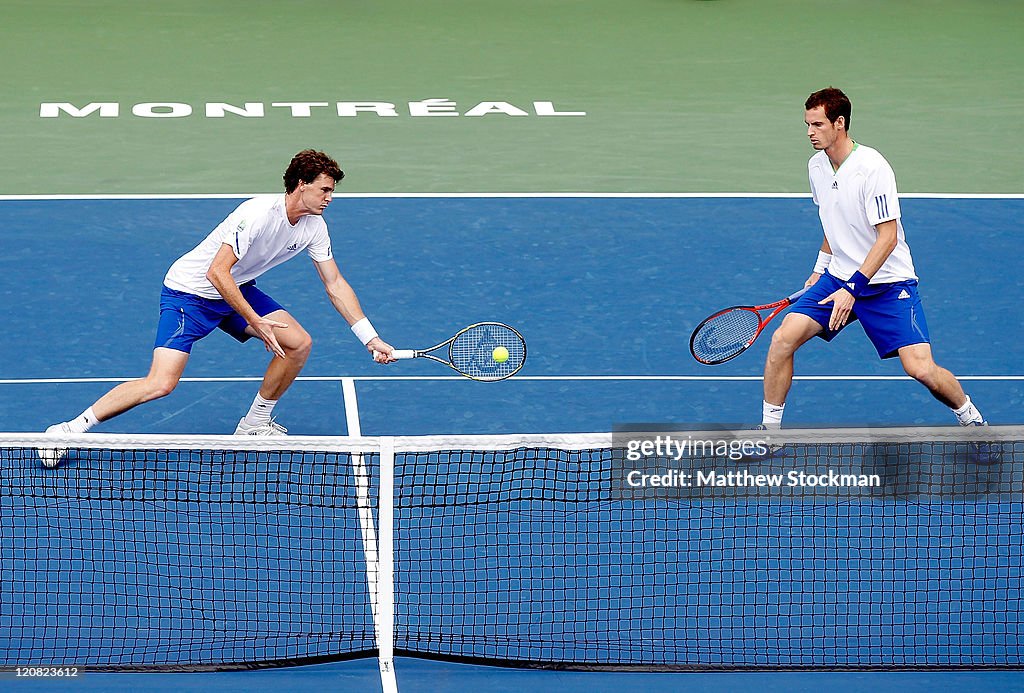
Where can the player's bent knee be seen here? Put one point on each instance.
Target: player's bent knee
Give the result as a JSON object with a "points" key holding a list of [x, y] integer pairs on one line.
{"points": [[160, 386], [782, 345], [300, 346], [922, 371], [160, 393], [792, 334]]}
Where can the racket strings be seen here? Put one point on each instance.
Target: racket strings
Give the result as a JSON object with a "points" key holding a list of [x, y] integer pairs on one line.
{"points": [[725, 335], [472, 351]]}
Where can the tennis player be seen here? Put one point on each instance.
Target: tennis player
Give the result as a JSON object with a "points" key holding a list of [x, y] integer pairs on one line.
{"points": [[864, 269], [214, 286]]}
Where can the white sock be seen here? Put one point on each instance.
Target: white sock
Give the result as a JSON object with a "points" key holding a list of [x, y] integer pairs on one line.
{"points": [[83, 422], [968, 414], [771, 414], [260, 411]]}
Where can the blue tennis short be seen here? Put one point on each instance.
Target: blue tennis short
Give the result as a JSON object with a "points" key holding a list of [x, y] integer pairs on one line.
{"points": [[186, 318], [891, 314]]}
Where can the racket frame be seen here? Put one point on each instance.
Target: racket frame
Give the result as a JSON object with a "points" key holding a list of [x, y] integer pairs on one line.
{"points": [[776, 308], [426, 353]]}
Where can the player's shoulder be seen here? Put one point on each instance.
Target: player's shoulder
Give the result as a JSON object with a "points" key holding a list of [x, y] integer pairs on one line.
{"points": [[257, 211], [315, 224], [261, 204], [869, 157]]}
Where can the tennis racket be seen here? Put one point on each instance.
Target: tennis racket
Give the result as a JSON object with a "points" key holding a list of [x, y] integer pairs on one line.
{"points": [[728, 333], [475, 352]]}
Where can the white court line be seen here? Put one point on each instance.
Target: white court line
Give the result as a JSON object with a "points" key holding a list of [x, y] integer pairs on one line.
{"points": [[348, 391], [512, 195], [377, 545], [385, 602], [535, 378]]}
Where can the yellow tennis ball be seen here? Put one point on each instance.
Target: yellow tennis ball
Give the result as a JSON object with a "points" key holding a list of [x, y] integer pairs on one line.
{"points": [[500, 354]]}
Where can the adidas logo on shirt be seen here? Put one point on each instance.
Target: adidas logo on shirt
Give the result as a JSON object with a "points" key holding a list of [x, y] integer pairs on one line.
{"points": [[903, 294], [835, 185]]}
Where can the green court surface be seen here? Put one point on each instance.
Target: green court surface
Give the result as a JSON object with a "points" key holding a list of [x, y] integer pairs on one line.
{"points": [[678, 95]]}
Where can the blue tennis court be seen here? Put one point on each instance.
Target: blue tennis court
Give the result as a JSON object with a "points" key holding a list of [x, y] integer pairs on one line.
{"points": [[605, 289]]}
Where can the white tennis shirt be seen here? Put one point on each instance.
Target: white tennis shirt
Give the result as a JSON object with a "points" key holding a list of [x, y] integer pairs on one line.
{"points": [[260, 236], [851, 202]]}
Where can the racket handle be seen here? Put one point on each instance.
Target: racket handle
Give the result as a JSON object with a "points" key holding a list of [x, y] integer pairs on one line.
{"points": [[798, 294], [403, 354]]}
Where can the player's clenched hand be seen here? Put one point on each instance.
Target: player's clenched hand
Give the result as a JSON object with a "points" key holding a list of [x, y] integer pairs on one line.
{"points": [[381, 350], [842, 303], [812, 280], [264, 329]]}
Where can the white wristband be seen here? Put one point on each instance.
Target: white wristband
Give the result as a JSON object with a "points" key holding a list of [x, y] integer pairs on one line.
{"points": [[822, 263], [364, 331]]}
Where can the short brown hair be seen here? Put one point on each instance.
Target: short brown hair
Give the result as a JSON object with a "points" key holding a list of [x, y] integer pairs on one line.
{"points": [[307, 165], [835, 103]]}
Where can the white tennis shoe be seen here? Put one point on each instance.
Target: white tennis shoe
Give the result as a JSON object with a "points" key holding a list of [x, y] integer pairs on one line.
{"points": [[984, 452], [51, 457], [768, 449], [271, 428]]}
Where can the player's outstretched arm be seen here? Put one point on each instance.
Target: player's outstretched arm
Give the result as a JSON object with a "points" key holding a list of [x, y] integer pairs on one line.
{"points": [[345, 301]]}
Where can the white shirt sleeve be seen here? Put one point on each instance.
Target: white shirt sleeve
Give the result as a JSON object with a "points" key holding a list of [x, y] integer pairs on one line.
{"points": [[810, 179], [319, 248], [881, 201], [242, 230]]}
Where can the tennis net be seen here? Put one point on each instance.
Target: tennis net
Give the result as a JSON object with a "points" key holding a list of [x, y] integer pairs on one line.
{"points": [[883, 548]]}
